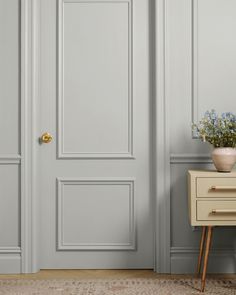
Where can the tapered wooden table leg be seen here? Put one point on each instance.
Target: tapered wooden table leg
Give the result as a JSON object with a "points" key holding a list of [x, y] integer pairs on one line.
{"points": [[202, 242], [207, 250]]}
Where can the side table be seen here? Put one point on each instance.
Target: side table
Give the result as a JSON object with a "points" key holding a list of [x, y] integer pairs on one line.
{"points": [[212, 202]]}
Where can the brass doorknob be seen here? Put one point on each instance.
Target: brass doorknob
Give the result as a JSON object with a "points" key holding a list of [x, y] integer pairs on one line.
{"points": [[46, 137]]}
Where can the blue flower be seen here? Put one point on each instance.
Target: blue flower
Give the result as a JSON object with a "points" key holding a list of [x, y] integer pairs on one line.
{"points": [[217, 130]]}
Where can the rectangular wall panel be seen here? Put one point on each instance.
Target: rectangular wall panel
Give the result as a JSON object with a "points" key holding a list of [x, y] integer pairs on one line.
{"points": [[95, 69], [214, 59], [10, 130], [9, 76], [9, 207], [96, 214]]}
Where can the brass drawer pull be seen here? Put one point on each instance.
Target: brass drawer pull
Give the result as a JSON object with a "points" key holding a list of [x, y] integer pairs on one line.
{"points": [[223, 187], [226, 211]]}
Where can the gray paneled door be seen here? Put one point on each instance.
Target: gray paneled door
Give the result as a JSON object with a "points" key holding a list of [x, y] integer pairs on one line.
{"points": [[94, 176]]}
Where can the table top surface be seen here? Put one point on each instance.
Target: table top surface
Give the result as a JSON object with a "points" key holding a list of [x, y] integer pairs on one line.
{"points": [[213, 173]]}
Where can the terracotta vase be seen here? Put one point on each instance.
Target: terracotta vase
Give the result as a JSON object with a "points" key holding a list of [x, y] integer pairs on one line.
{"points": [[224, 158]]}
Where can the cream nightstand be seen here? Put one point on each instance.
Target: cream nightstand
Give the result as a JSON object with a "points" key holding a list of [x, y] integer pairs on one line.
{"points": [[212, 202]]}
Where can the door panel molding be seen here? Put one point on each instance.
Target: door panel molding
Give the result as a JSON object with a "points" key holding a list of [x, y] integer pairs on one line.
{"points": [[130, 244], [127, 132]]}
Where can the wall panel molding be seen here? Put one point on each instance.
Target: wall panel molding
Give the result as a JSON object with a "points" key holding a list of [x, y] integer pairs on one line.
{"points": [[10, 159], [10, 250], [61, 152], [13, 258], [195, 101], [193, 250], [129, 245], [221, 58], [190, 158]]}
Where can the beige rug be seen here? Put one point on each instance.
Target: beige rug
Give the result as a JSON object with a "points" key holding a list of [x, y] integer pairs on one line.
{"points": [[157, 286]]}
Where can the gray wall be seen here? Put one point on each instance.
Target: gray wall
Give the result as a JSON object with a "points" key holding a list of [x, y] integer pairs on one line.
{"points": [[200, 75], [10, 136], [212, 39]]}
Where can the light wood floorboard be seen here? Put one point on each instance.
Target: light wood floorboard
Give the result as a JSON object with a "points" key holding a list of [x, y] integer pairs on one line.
{"points": [[102, 274]]}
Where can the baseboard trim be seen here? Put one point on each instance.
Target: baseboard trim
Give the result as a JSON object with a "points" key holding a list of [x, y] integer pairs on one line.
{"points": [[184, 260], [10, 263]]}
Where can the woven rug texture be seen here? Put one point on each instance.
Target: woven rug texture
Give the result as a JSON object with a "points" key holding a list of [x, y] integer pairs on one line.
{"points": [[134, 286]]}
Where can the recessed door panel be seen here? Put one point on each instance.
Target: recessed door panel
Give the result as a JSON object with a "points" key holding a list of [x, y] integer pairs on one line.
{"points": [[110, 225], [95, 79]]}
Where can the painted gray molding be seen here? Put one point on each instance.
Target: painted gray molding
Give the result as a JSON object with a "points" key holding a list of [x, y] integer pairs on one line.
{"points": [[195, 108], [195, 251], [25, 90], [161, 143], [130, 245], [29, 95], [190, 158], [195, 98], [61, 153], [10, 256], [7, 250], [10, 159], [184, 261], [14, 259]]}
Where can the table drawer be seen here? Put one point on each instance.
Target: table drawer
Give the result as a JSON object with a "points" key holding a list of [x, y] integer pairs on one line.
{"points": [[214, 187], [216, 210]]}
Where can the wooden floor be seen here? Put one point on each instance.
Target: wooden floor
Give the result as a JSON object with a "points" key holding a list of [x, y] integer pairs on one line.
{"points": [[85, 274], [100, 274]]}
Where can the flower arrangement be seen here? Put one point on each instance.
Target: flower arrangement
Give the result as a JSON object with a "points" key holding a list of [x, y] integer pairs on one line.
{"points": [[220, 131]]}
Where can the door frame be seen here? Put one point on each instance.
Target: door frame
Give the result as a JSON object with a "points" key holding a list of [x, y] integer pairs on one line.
{"points": [[29, 54], [160, 170]]}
